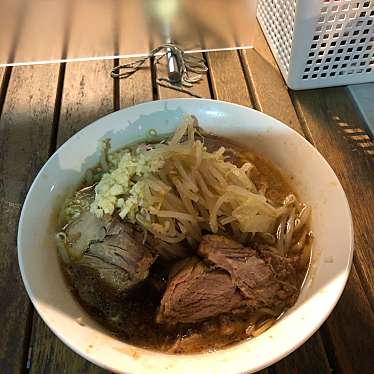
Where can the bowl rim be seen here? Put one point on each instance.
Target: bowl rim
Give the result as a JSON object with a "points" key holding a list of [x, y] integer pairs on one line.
{"points": [[90, 357]]}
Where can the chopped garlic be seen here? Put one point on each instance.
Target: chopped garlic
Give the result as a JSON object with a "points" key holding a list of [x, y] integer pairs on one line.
{"points": [[123, 186]]}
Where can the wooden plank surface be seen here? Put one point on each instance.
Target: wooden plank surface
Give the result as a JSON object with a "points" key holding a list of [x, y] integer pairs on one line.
{"points": [[338, 134], [25, 133], [226, 72], [310, 358], [88, 94], [326, 116], [313, 350], [137, 88], [348, 331], [49, 355], [267, 86]]}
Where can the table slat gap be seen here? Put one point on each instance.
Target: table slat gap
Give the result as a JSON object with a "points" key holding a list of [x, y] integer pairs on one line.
{"points": [[242, 59], [4, 82], [155, 88], [303, 122], [225, 70], [57, 108], [249, 81], [2, 72], [26, 360], [116, 88], [268, 90], [209, 75]]}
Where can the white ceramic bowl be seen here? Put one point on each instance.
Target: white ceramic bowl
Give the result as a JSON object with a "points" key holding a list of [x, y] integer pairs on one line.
{"points": [[312, 177]]}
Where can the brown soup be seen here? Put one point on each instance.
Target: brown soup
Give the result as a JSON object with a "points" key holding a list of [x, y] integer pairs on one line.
{"points": [[132, 316]]}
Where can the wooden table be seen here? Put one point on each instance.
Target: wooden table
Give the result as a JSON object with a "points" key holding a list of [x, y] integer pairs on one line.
{"points": [[41, 106]]}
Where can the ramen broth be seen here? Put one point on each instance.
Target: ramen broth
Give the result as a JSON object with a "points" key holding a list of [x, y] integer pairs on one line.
{"points": [[133, 317]]}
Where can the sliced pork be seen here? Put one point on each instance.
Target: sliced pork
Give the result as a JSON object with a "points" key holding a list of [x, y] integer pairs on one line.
{"points": [[230, 278], [112, 259]]}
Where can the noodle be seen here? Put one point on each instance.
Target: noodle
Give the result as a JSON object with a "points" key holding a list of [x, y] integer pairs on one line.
{"points": [[280, 234], [302, 218], [265, 326], [289, 230], [177, 188], [186, 179]]}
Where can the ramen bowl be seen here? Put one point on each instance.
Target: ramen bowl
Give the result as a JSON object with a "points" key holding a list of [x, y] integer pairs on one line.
{"points": [[299, 161]]}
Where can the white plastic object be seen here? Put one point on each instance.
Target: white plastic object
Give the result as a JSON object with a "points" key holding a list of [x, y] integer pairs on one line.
{"points": [[320, 43]]}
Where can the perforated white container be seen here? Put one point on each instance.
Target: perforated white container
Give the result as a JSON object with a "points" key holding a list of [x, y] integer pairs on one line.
{"points": [[320, 43]]}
